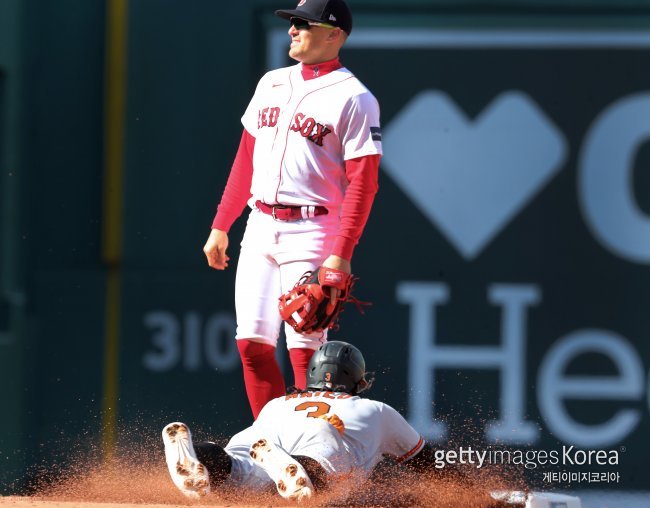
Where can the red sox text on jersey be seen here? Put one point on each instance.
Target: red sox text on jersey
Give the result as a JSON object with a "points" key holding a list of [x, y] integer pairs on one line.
{"points": [[308, 127]]}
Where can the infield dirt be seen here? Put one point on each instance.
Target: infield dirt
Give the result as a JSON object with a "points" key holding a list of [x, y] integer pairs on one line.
{"points": [[137, 476], [151, 487]]}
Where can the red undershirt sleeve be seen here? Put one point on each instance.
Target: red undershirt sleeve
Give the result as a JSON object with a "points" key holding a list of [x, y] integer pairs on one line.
{"points": [[238, 188], [362, 173]]}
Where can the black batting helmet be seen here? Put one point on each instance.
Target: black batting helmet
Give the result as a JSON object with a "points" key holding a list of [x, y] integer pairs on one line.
{"points": [[338, 367]]}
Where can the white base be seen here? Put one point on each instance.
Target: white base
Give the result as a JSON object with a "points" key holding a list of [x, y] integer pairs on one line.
{"points": [[537, 499]]}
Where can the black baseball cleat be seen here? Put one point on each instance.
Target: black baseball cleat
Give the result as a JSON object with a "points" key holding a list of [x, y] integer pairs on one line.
{"points": [[188, 474]]}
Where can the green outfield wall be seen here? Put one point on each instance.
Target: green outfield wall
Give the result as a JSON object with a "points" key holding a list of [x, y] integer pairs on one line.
{"points": [[507, 254], [12, 294]]}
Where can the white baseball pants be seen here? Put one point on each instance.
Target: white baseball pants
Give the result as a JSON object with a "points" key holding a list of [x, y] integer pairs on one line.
{"points": [[273, 256]]}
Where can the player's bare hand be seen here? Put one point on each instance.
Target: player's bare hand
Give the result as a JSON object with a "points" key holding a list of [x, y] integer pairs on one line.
{"points": [[215, 249], [338, 263]]}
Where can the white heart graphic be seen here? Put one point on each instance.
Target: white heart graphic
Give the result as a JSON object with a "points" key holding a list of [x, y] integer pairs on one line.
{"points": [[470, 178]]}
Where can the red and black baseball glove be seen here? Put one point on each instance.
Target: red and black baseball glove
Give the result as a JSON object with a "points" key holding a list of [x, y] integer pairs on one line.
{"points": [[308, 307]]}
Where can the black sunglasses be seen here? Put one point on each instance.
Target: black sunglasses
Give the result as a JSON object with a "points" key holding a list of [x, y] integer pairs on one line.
{"points": [[303, 24]]}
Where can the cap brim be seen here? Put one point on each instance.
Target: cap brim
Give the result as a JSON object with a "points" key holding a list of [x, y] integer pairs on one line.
{"points": [[288, 14]]}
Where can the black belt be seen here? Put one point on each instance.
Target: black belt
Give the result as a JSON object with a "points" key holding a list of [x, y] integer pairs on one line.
{"points": [[290, 213]]}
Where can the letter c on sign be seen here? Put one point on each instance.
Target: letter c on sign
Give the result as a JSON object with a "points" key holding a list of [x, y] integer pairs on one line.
{"points": [[605, 189]]}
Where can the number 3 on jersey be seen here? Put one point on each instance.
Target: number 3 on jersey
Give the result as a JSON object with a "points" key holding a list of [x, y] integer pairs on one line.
{"points": [[319, 408]]}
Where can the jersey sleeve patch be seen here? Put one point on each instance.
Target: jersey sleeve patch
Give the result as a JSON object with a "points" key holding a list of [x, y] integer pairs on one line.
{"points": [[375, 132]]}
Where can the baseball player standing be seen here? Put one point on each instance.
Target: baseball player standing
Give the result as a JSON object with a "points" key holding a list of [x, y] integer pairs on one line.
{"points": [[307, 167]]}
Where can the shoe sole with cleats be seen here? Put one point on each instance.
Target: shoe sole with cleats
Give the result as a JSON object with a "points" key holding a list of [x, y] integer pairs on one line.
{"points": [[291, 479], [188, 474]]}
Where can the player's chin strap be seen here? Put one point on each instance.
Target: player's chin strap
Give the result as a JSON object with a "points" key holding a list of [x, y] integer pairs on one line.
{"points": [[365, 383]]}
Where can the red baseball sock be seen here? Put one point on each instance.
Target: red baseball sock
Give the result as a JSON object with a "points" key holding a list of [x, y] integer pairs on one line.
{"points": [[262, 375], [300, 361]]}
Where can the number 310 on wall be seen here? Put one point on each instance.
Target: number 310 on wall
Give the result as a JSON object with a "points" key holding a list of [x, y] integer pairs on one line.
{"points": [[190, 342]]}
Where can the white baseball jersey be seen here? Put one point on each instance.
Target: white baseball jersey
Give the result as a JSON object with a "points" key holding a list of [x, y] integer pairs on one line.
{"points": [[304, 131], [370, 430]]}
